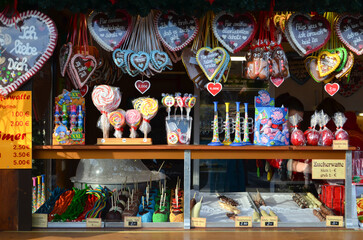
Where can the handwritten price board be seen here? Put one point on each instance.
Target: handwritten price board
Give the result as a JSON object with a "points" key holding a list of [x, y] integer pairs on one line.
{"points": [[334, 221], [328, 169], [269, 221], [93, 222], [16, 131], [243, 222], [132, 222]]}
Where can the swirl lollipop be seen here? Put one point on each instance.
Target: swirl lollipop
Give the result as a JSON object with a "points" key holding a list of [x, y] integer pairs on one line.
{"points": [[148, 110], [189, 104], [106, 99], [117, 120], [180, 103], [133, 118]]}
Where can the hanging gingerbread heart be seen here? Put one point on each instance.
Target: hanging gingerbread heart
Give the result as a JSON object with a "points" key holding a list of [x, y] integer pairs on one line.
{"points": [[159, 59], [140, 61], [347, 88], [142, 86], [211, 60], [110, 32], [331, 88], [175, 31], [347, 67], [82, 67], [26, 42], [297, 70], [350, 31], [311, 65], [214, 88], [118, 57], [308, 34], [65, 54], [234, 31], [277, 81], [327, 62]]}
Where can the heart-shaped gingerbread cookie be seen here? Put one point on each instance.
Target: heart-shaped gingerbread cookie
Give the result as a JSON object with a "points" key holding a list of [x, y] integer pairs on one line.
{"points": [[327, 62]]}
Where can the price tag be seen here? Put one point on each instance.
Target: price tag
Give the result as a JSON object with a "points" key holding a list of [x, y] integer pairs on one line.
{"points": [[243, 221], [328, 169], [16, 131], [40, 220], [340, 145], [269, 221], [132, 222], [334, 221], [198, 222], [93, 222]]}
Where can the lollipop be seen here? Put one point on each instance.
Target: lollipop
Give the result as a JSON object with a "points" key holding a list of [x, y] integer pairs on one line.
{"points": [[106, 99], [117, 120], [133, 118], [168, 101], [180, 103], [148, 109], [189, 104]]}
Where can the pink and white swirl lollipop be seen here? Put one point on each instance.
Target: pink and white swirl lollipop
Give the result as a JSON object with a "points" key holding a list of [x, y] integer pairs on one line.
{"points": [[106, 99], [133, 118], [117, 120]]}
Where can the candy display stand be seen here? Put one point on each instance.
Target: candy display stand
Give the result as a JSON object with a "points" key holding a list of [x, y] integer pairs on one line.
{"points": [[124, 141]]}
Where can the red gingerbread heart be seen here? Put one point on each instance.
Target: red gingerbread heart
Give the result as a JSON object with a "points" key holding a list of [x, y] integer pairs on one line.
{"points": [[214, 88]]}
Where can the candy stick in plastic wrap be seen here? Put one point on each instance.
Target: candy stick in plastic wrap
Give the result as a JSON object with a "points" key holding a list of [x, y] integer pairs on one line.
{"points": [[64, 115], [215, 140], [56, 115], [34, 195], [237, 128], [39, 193], [148, 110], [80, 120], [106, 99], [73, 120], [227, 130], [246, 139], [42, 198], [133, 118], [190, 103], [117, 120]]}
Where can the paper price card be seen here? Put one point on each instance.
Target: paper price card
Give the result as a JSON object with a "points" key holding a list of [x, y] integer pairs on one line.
{"points": [[334, 221], [39, 220], [243, 221], [328, 169], [198, 222], [269, 221], [16, 130], [340, 145], [132, 222], [93, 222]]}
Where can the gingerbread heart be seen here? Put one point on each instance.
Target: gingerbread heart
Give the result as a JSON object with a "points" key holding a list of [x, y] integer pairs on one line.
{"points": [[118, 57], [140, 61], [191, 64], [82, 67], [308, 34], [327, 62], [311, 65], [175, 31], [355, 82], [234, 31], [214, 88], [110, 32], [331, 88], [347, 67], [65, 54], [211, 60], [297, 70], [277, 81], [27, 41], [350, 31], [142, 86], [159, 59]]}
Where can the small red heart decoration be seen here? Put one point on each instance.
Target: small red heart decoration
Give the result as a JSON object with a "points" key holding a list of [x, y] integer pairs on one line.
{"points": [[214, 88], [142, 86], [277, 81], [331, 88], [84, 90]]}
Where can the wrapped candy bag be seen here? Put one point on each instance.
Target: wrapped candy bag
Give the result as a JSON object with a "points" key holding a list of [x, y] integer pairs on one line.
{"points": [[326, 136], [339, 120], [297, 136], [312, 135]]}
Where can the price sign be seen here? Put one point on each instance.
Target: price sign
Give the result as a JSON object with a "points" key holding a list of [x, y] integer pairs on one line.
{"points": [[243, 222], [93, 222], [328, 169], [16, 130], [132, 222], [40, 220], [269, 221], [198, 222], [340, 144], [334, 221]]}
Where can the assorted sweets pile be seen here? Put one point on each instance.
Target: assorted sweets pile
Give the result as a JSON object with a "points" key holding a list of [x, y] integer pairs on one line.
{"points": [[157, 204], [107, 100], [318, 137]]}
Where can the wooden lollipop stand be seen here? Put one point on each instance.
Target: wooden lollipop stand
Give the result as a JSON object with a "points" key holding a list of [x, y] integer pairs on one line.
{"points": [[124, 141]]}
